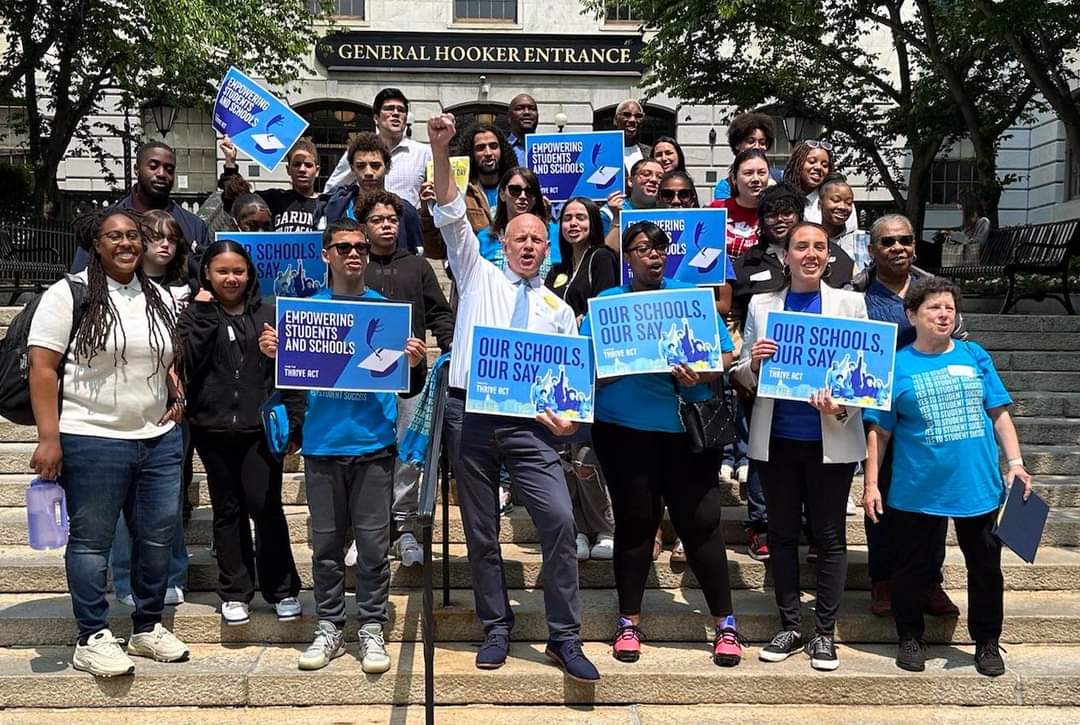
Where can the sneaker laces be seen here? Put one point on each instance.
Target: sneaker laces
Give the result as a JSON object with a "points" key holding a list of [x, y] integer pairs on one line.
{"points": [[729, 636], [821, 645], [324, 635], [572, 649], [911, 646], [369, 637], [629, 632], [785, 639], [991, 647]]}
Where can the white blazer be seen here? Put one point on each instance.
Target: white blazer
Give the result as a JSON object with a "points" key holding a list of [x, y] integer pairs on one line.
{"points": [[842, 442]]}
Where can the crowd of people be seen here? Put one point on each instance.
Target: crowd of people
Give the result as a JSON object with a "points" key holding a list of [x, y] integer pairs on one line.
{"points": [[161, 345]]}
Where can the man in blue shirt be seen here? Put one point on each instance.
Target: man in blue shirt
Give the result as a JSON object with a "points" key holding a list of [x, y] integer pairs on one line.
{"points": [[524, 118], [349, 445]]}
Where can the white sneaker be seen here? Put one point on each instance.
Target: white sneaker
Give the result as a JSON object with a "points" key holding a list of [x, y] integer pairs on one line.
{"points": [[350, 555], [328, 644], [158, 644], [174, 596], [235, 613], [102, 656], [582, 547], [727, 473], [373, 657], [604, 548], [852, 509], [742, 473], [128, 600], [288, 609], [409, 550]]}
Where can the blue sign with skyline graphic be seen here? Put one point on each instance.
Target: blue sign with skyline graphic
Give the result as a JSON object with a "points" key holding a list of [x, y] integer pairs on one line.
{"points": [[289, 264]]}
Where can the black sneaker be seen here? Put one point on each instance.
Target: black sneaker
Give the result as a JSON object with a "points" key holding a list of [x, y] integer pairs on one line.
{"points": [[911, 655], [782, 646], [822, 653], [988, 658], [492, 654]]}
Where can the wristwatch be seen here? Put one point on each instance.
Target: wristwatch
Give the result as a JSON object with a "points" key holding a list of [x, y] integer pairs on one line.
{"points": [[178, 399]]}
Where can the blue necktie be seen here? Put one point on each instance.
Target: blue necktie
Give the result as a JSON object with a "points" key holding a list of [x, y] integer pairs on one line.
{"points": [[520, 319]]}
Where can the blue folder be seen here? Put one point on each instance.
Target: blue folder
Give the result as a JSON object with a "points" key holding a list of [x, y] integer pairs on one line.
{"points": [[1020, 523]]}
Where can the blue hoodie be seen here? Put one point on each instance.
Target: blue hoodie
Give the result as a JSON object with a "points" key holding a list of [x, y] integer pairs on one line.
{"points": [[349, 424]]}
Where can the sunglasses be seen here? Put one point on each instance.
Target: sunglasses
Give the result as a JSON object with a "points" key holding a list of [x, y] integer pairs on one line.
{"points": [[905, 239], [628, 115], [345, 249], [643, 250], [683, 194], [815, 144], [514, 190]]}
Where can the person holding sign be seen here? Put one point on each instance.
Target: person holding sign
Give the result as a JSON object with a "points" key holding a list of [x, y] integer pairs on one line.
{"points": [[480, 444], [949, 404], [350, 446], [292, 209], [804, 451], [647, 460]]}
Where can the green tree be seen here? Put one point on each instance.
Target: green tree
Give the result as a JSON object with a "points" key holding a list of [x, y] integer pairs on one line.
{"points": [[893, 82], [64, 56]]}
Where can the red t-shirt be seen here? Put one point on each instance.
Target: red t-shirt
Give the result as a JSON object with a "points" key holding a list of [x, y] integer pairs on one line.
{"points": [[742, 226]]}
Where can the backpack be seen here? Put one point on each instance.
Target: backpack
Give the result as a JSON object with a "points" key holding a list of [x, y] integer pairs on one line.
{"points": [[15, 358]]}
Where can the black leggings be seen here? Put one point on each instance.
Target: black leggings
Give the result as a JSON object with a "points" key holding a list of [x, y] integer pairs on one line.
{"points": [[245, 481], [644, 470], [794, 473]]}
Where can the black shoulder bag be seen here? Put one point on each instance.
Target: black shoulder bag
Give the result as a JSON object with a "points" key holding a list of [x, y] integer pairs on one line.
{"points": [[709, 423]]}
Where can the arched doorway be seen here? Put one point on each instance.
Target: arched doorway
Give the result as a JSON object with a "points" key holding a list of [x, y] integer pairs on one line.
{"points": [[659, 121], [490, 113], [331, 125]]}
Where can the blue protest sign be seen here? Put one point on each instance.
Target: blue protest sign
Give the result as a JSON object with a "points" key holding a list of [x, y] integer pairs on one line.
{"points": [[343, 346], [698, 250], [258, 123], [651, 332], [577, 164], [289, 264], [519, 374], [852, 358]]}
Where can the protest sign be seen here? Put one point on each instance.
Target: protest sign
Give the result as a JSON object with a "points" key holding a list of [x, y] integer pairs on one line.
{"points": [[289, 264], [343, 346], [577, 164], [852, 358], [651, 332], [519, 373], [259, 124], [698, 250], [459, 167]]}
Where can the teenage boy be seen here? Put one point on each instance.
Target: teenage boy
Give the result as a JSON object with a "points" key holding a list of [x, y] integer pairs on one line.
{"points": [[349, 447], [292, 209]]}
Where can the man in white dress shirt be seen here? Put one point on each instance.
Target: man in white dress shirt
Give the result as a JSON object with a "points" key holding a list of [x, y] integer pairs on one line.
{"points": [[409, 158], [480, 444]]}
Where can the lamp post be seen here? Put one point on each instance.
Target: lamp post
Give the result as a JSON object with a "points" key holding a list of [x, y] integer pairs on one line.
{"points": [[560, 121], [794, 127], [164, 115]]}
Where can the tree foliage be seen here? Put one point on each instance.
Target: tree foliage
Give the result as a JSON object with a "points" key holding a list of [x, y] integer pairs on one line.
{"points": [[63, 57]]}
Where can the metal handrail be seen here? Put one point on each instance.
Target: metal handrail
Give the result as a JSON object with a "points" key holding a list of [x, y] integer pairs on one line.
{"points": [[435, 469]]}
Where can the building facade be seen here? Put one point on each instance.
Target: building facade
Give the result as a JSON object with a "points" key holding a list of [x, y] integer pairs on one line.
{"points": [[470, 57]]}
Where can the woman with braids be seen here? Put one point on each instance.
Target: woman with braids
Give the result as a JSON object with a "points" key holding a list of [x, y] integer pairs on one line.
{"points": [[810, 162], [111, 439]]}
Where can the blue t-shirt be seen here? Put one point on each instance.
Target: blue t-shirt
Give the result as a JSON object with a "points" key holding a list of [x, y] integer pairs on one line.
{"points": [[647, 402], [492, 194], [349, 424], [945, 457], [794, 419], [884, 305]]}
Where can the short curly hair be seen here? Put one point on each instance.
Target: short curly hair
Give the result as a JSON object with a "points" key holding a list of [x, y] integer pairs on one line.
{"points": [[928, 286], [368, 141], [369, 201], [745, 124]]}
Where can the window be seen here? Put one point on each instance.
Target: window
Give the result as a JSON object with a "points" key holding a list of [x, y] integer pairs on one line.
{"points": [[342, 8], [502, 10], [949, 178], [331, 125], [620, 11], [1072, 188]]}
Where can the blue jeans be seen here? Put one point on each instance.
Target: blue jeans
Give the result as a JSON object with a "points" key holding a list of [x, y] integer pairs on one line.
{"points": [[102, 478]]}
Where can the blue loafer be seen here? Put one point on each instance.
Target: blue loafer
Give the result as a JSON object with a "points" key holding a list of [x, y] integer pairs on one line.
{"points": [[492, 654], [569, 656]]}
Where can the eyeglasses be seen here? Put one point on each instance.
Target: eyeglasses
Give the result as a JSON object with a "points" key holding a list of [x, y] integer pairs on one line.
{"points": [[781, 214], [515, 190], [905, 239], [644, 250], [394, 109], [157, 237], [380, 220], [132, 235], [345, 249], [815, 144], [628, 115], [682, 194]]}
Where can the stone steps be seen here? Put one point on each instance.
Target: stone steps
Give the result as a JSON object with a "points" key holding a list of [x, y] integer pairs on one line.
{"points": [[1040, 381], [1021, 324], [667, 674], [1056, 569], [669, 615]]}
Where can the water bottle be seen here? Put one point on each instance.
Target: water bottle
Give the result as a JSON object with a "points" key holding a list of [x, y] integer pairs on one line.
{"points": [[46, 514]]}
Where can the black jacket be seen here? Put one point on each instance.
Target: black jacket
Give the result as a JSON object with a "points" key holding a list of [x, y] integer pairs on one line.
{"points": [[333, 206], [228, 378], [404, 277]]}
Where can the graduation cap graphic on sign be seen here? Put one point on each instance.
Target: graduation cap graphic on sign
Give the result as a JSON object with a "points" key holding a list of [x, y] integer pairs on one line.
{"points": [[604, 176], [707, 257], [381, 363], [267, 142]]}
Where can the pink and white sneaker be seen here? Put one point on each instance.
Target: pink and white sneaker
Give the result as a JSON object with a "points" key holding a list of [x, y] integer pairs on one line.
{"points": [[727, 644], [627, 644]]}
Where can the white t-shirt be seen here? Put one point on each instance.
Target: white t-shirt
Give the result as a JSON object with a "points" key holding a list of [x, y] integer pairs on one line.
{"points": [[631, 155], [112, 397]]}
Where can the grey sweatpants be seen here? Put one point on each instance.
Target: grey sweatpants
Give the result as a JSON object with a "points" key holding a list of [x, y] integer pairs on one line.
{"points": [[340, 490]]}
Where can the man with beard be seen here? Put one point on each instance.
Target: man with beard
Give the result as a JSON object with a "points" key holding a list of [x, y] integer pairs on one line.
{"points": [[629, 115], [524, 118], [155, 174], [884, 283]]}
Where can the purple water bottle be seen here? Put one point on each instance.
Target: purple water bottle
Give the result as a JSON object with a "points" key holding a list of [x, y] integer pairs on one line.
{"points": [[46, 514]]}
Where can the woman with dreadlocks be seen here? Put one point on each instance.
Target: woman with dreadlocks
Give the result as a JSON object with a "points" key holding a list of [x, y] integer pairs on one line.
{"points": [[810, 162], [107, 431]]}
